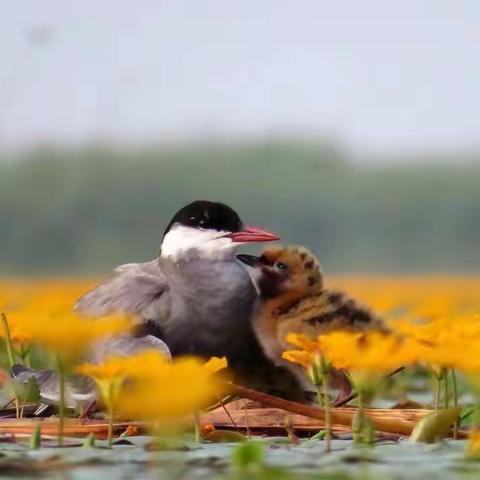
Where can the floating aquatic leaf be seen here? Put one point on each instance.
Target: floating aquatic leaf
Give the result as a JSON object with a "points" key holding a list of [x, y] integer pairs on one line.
{"points": [[36, 437], [435, 426], [89, 441], [249, 455]]}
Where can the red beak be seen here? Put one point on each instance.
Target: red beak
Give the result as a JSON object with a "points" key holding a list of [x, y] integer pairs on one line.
{"points": [[253, 234]]}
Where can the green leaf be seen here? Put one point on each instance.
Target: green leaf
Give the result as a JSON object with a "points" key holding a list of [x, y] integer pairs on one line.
{"points": [[89, 441], [467, 416], [248, 455], [435, 426], [36, 437], [27, 392]]}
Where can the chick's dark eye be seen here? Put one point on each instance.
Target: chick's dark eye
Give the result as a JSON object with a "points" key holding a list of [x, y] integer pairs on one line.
{"points": [[281, 266]]}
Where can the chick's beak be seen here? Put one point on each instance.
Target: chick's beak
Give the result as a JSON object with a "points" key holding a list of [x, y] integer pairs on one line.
{"points": [[253, 234], [249, 260]]}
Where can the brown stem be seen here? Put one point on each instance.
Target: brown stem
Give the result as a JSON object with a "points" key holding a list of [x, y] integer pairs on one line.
{"points": [[225, 409], [400, 421]]}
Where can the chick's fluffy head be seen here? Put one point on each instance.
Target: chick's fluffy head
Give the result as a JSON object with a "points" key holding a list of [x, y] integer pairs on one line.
{"points": [[301, 268]]}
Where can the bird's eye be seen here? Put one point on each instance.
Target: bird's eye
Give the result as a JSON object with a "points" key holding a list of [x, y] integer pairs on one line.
{"points": [[281, 266], [202, 222]]}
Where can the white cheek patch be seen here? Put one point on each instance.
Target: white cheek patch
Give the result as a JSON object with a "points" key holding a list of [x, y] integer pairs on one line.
{"points": [[182, 242], [255, 275]]}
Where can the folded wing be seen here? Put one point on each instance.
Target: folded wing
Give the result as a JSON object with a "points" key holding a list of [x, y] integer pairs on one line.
{"points": [[138, 289]]}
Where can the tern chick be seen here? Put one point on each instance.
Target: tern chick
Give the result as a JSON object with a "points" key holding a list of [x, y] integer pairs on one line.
{"points": [[293, 299]]}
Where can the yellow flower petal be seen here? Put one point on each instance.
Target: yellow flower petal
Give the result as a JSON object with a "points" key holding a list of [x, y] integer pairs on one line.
{"points": [[169, 392], [303, 342], [301, 357], [215, 364]]}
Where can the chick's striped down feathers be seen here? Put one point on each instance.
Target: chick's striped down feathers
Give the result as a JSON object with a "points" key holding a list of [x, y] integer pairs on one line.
{"points": [[294, 300]]}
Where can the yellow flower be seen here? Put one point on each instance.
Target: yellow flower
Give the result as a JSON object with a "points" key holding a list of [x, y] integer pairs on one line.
{"points": [[303, 342], [472, 450], [309, 356], [167, 392], [367, 356], [116, 366], [367, 351], [68, 336], [18, 334], [446, 342], [110, 377], [301, 357], [216, 364]]}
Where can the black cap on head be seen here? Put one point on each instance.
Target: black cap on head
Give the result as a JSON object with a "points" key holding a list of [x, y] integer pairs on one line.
{"points": [[208, 215]]}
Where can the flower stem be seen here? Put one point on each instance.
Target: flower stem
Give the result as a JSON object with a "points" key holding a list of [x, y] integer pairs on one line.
{"points": [[110, 414], [446, 391], [10, 355], [326, 407], [358, 422], [438, 385], [454, 387], [455, 400], [318, 381], [8, 341], [196, 421], [27, 394], [61, 411], [319, 391], [360, 400], [25, 355]]}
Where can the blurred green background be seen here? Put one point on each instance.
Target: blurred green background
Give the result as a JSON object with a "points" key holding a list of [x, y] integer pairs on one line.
{"points": [[350, 127], [84, 210]]}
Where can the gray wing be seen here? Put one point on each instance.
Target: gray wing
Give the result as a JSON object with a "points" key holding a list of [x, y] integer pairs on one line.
{"points": [[137, 288], [126, 345]]}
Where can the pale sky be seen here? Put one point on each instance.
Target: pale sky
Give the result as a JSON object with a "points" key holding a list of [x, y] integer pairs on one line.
{"points": [[379, 76]]}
